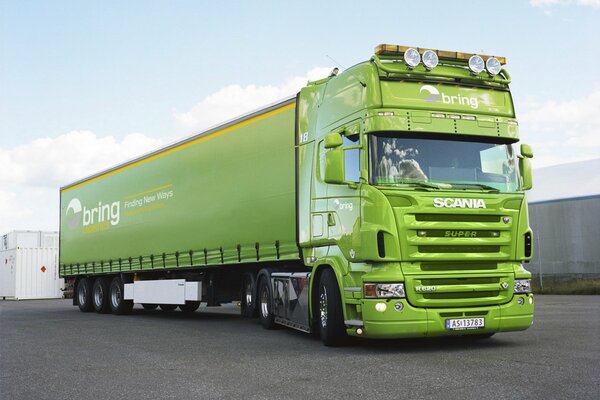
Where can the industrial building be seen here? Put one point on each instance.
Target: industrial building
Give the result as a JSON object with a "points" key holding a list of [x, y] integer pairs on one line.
{"points": [[564, 214]]}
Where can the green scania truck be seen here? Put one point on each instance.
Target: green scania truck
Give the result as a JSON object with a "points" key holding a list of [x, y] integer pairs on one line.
{"points": [[385, 201]]}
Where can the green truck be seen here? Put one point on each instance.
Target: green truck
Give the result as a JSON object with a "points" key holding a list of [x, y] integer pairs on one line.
{"points": [[385, 201]]}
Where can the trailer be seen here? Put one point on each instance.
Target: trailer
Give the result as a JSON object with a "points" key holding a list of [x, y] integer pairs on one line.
{"points": [[386, 201]]}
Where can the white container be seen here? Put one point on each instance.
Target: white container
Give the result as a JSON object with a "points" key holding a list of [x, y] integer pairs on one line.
{"points": [[29, 239], [29, 272]]}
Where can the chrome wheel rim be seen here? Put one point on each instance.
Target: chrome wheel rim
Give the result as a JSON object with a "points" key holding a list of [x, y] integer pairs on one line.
{"points": [[248, 294], [98, 296], [115, 296], [82, 294], [264, 302], [323, 307]]}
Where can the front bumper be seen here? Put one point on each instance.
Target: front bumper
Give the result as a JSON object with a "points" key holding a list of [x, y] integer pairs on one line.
{"points": [[405, 321]]}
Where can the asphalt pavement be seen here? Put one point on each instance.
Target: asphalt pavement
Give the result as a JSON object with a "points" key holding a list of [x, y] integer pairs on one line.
{"points": [[51, 350]]}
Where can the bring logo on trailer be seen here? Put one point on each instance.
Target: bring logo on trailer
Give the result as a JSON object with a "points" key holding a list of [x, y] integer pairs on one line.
{"points": [[78, 214], [104, 215]]}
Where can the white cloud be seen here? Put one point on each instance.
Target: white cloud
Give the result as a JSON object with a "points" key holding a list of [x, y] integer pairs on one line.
{"points": [[550, 3], [562, 131], [32, 173], [234, 100]]}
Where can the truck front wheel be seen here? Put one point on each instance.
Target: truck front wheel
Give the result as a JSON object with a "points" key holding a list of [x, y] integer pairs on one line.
{"points": [[100, 295], [329, 311], [117, 304], [84, 295]]}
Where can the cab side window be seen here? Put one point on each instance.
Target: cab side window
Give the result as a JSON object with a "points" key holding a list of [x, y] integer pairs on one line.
{"points": [[351, 158]]}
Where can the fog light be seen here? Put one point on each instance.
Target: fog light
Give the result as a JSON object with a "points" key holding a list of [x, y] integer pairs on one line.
{"points": [[412, 58], [476, 64], [531, 300], [359, 331], [521, 301], [493, 66], [398, 306], [381, 307], [430, 59]]}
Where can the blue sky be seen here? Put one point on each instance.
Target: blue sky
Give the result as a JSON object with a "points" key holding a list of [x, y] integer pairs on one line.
{"points": [[110, 79]]}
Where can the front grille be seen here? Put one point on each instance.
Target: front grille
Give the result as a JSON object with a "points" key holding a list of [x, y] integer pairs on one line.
{"points": [[457, 257], [481, 235], [457, 217], [444, 291]]}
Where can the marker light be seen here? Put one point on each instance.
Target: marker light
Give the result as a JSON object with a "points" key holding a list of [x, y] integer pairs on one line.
{"points": [[493, 66], [412, 58], [430, 59], [476, 64]]}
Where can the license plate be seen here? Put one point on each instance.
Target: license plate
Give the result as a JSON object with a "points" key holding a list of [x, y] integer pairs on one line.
{"points": [[465, 323]]}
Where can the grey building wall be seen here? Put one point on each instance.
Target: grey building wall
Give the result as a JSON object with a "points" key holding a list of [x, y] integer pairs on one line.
{"points": [[566, 237]]}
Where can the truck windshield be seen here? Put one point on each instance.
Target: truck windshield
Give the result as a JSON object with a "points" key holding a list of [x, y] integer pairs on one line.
{"points": [[441, 163]]}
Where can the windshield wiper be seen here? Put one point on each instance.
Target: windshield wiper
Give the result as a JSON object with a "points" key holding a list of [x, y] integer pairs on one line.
{"points": [[479, 185], [423, 184]]}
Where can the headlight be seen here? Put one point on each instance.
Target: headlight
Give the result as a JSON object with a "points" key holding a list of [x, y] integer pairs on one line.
{"points": [[476, 64], [493, 66], [430, 59], [522, 285], [384, 290], [412, 58]]}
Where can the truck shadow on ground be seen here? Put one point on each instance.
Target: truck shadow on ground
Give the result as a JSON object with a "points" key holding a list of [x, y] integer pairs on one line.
{"points": [[455, 343]]}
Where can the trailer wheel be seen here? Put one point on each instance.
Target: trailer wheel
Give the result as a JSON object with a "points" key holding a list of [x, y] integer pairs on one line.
{"points": [[149, 306], [189, 306], [265, 301], [330, 315], [118, 305], [84, 295], [248, 296], [168, 307], [100, 295]]}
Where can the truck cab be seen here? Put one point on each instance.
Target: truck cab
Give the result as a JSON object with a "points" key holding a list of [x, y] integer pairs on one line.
{"points": [[411, 206]]}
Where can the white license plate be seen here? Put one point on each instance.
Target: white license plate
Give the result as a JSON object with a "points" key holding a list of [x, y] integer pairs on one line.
{"points": [[465, 323]]}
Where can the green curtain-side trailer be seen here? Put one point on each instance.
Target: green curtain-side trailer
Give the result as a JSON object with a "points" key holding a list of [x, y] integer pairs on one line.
{"points": [[225, 196]]}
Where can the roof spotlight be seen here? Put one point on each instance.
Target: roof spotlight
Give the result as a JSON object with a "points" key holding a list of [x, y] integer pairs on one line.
{"points": [[430, 59], [493, 66], [412, 58], [476, 64]]}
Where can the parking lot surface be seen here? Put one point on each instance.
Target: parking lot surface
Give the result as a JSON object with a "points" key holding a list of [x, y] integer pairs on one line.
{"points": [[51, 350]]}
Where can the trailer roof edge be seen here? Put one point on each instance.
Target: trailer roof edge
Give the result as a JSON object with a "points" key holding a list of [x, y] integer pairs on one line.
{"points": [[216, 128]]}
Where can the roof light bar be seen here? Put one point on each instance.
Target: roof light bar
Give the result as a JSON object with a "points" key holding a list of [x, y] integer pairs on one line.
{"points": [[396, 50]]}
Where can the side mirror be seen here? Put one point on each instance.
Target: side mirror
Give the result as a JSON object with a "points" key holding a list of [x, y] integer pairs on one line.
{"points": [[333, 140], [526, 151], [334, 165], [526, 174]]}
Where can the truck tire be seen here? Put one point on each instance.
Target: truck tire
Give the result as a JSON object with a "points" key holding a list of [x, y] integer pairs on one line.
{"points": [[248, 296], [84, 295], [118, 305], [265, 304], [168, 307], [329, 311], [100, 295], [189, 306], [149, 306]]}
